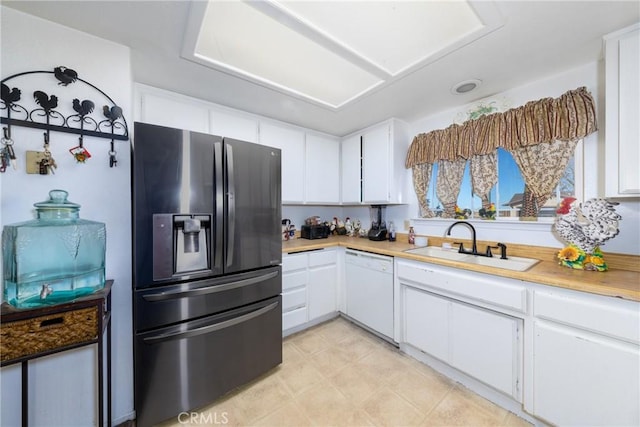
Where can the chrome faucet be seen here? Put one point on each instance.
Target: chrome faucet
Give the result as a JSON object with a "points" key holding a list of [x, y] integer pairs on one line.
{"points": [[474, 247]]}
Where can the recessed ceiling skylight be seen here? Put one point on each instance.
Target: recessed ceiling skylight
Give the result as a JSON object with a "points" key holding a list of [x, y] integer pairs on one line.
{"points": [[330, 53]]}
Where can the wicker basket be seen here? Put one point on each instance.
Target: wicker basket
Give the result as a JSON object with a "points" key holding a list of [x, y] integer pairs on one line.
{"points": [[48, 333]]}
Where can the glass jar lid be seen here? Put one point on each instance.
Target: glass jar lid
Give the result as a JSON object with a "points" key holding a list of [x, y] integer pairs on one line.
{"points": [[57, 206]]}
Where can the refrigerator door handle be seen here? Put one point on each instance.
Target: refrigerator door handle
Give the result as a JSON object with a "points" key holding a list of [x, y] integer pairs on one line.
{"points": [[219, 208], [163, 296], [231, 205], [210, 328]]}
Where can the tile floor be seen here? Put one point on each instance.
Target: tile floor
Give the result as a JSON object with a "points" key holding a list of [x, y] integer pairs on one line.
{"points": [[337, 374]]}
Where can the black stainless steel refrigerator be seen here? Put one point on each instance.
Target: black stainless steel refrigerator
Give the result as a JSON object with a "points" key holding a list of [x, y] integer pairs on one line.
{"points": [[207, 279]]}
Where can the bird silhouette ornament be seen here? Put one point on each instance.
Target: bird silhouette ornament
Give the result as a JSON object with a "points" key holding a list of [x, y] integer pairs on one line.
{"points": [[9, 96], [113, 113], [65, 75], [47, 102], [83, 108]]}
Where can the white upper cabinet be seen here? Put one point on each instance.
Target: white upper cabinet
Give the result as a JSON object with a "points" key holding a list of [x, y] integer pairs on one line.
{"points": [[322, 169], [164, 109], [291, 141], [351, 169], [376, 167], [373, 164], [234, 126], [622, 112]]}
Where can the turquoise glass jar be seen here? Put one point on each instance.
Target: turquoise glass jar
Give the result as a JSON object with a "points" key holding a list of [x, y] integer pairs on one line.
{"points": [[55, 258]]}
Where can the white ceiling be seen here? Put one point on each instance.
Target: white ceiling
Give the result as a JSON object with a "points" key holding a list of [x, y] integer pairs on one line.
{"points": [[523, 41]]}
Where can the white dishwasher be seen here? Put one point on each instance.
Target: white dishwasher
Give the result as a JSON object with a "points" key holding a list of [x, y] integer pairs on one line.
{"points": [[369, 290]]}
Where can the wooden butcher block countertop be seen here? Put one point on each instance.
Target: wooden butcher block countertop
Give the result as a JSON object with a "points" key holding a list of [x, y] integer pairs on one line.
{"points": [[622, 280]]}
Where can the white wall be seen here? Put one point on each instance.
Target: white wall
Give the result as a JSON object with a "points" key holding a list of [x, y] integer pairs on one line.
{"points": [[589, 75], [62, 386]]}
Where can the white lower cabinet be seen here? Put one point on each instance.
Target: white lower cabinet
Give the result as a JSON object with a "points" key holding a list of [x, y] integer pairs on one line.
{"points": [[487, 345], [323, 283], [586, 360], [294, 290], [309, 287], [426, 322], [481, 343]]}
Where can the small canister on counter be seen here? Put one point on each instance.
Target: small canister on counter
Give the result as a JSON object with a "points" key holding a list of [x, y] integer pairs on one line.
{"points": [[412, 236], [286, 229]]}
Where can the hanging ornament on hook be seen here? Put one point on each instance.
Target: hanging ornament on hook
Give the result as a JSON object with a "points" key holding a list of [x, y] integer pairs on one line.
{"points": [[46, 164], [7, 154], [113, 162], [80, 153]]}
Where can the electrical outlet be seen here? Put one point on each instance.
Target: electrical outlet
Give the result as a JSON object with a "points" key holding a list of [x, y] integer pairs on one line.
{"points": [[407, 224]]}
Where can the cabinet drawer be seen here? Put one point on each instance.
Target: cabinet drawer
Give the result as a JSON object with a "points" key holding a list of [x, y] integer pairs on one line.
{"points": [[294, 280], [490, 289], [619, 319], [323, 257], [294, 299], [291, 262], [294, 318]]}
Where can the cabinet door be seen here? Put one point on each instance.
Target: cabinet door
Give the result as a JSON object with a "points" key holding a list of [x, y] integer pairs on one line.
{"points": [[629, 115], [486, 345], [375, 165], [622, 109], [584, 379], [351, 167], [426, 322], [291, 142], [233, 126], [323, 290], [165, 111], [322, 169]]}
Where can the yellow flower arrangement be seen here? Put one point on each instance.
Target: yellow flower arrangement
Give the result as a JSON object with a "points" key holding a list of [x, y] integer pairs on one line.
{"points": [[596, 260], [574, 257], [570, 253]]}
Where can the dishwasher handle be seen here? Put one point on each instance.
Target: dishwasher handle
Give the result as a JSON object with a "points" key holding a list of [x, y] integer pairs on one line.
{"points": [[354, 253], [369, 261]]}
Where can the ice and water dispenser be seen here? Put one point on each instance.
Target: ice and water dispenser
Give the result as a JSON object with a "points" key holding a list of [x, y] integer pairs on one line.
{"points": [[181, 244]]}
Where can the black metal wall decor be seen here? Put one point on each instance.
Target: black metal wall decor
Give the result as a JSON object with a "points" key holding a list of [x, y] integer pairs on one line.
{"points": [[45, 114]]}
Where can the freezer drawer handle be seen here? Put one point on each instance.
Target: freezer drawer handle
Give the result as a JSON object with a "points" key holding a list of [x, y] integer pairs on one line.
{"points": [[163, 296], [211, 328]]}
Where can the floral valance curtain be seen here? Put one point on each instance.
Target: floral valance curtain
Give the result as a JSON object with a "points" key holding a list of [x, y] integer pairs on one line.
{"points": [[535, 134], [570, 117]]}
